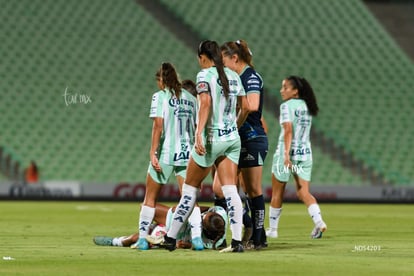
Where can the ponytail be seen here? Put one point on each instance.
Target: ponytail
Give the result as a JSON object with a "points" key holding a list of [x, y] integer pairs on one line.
{"points": [[170, 79], [305, 93], [212, 51], [239, 48]]}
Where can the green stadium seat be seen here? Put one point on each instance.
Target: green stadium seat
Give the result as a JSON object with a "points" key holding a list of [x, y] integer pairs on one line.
{"points": [[354, 66]]}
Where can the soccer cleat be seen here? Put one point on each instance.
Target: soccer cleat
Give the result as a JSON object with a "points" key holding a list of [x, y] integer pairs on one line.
{"points": [[318, 230], [197, 244], [104, 241], [142, 244], [248, 245], [236, 247], [168, 243], [271, 232], [163, 242], [259, 246]]}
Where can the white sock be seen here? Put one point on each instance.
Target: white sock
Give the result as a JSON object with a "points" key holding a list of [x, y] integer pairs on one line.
{"points": [[274, 216], [117, 241], [183, 209], [145, 219], [195, 222], [234, 210], [315, 213]]}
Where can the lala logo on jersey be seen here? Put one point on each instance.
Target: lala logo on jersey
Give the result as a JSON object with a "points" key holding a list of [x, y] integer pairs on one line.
{"points": [[302, 151], [183, 155]]}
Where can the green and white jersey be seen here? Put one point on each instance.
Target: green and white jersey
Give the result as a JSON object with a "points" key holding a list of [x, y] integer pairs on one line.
{"points": [[179, 117], [296, 112], [222, 125]]}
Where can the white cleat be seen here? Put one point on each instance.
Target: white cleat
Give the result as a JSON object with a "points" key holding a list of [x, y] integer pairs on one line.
{"points": [[271, 233], [318, 230]]}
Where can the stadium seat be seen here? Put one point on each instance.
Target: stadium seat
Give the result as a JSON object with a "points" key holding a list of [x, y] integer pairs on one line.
{"points": [[361, 78]]}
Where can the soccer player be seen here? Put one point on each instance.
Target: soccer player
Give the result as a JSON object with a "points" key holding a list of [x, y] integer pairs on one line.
{"points": [[214, 225], [190, 86], [254, 145], [173, 111], [217, 142], [293, 155]]}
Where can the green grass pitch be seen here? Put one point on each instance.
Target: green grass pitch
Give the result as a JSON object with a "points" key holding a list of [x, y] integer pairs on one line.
{"points": [[55, 238]]}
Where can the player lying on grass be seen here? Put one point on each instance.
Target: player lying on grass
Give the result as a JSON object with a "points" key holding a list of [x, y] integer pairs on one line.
{"points": [[210, 226]]}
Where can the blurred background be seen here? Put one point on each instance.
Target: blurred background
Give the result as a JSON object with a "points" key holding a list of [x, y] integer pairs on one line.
{"points": [[77, 79]]}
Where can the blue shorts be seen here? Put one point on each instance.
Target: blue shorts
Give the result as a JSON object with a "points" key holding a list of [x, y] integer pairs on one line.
{"points": [[253, 152]]}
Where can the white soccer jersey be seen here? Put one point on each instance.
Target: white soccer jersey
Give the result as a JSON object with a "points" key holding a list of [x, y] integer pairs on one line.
{"points": [[222, 125], [179, 117], [296, 112]]}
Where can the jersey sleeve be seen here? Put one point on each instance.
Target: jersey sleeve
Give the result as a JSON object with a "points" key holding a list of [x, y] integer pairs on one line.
{"points": [[202, 85], [253, 84], [156, 106], [284, 113]]}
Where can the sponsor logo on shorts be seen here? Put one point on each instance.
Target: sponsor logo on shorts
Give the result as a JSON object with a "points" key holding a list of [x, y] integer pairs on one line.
{"points": [[249, 157], [287, 169]]}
